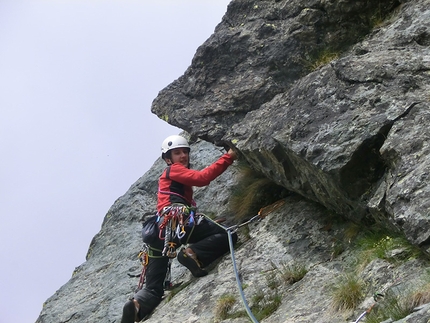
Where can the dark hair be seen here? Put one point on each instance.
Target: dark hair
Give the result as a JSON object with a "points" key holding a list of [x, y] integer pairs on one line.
{"points": [[168, 154]]}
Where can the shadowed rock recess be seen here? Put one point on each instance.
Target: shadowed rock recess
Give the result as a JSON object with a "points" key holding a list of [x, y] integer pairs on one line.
{"points": [[328, 99]]}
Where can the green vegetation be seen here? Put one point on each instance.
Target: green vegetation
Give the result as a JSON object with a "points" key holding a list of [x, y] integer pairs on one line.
{"points": [[351, 232], [382, 17], [347, 292], [264, 304], [252, 192], [385, 245], [267, 299], [320, 59], [421, 295], [392, 306], [399, 303], [358, 26], [371, 244], [292, 273], [223, 306]]}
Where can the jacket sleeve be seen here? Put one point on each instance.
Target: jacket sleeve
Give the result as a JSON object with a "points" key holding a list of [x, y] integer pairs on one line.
{"points": [[191, 177]]}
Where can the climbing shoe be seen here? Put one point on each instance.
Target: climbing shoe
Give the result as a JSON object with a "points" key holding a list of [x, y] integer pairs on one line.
{"points": [[129, 312], [187, 258]]}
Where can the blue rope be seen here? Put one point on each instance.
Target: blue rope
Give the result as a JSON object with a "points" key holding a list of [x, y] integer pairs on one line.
{"points": [[239, 284], [230, 243]]}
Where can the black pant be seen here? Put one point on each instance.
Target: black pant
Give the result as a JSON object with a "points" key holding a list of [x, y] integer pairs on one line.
{"points": [[207, 240]]}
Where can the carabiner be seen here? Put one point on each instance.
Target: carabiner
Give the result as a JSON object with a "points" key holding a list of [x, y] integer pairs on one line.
{"points": [[180, 231]]}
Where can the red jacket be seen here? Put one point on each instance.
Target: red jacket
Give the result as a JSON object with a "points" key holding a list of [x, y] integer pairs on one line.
{"points": [[176, 182]]}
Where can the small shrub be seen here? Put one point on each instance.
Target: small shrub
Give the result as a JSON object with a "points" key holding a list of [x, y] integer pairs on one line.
{"points": [[292, 273], [252, 192], [265, 304], [320, 59], [393, 307], [272, 280], [398, 304], [347, 292], [223, 306], [351, 232], [382, 17], [270, 306], [324, 58], [390, 247], [337, 248], [258, 298], [419, 298]]}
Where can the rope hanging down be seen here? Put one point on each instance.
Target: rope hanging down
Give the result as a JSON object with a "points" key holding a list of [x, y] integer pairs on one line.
{"points": [[261, 214]]}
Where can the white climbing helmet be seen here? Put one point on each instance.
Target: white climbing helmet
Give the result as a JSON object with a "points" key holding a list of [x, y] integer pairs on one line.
{"points": [[173, 142]]}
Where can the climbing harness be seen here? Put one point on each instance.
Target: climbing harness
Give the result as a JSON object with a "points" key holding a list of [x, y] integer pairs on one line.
{"points": [[192, 202], [173, 219], [261, 214]]}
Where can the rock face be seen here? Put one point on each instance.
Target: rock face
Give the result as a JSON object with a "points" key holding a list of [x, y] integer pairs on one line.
{"points": [[340, 135], [328, 99]]}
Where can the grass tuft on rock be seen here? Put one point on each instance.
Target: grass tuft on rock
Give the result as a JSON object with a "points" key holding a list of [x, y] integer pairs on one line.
{"points": [[348, 292], [223, 306], [252, 192]]}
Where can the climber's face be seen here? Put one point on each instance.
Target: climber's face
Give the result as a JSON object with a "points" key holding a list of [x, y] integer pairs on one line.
{"points": [[180, 156]]}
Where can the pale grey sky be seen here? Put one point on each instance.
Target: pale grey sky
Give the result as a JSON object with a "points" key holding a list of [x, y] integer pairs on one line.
{"points": [[77, 78]]}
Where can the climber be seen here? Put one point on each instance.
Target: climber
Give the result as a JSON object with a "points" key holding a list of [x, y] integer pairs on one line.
{"points": [[179, 225]]}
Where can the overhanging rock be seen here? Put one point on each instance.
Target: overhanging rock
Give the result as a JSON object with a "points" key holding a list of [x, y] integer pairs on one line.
{"points": [[317, 133]]}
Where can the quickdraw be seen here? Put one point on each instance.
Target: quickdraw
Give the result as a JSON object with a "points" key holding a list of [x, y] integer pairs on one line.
{"points": [[144, 258], [260, 215]]}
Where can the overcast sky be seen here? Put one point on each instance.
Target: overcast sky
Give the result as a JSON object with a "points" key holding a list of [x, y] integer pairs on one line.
{"points": [[77, 78]]}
